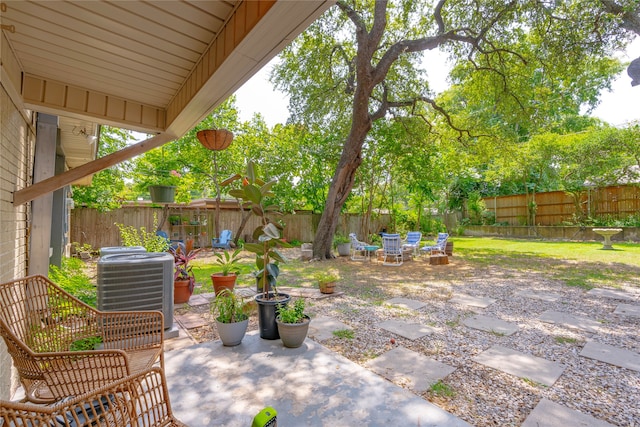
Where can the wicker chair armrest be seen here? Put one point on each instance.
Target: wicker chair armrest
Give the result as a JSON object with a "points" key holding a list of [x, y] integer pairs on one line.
{"points": [[132, 330], [141, 399]]}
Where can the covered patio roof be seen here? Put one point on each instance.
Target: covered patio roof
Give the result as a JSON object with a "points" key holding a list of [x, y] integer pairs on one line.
{"points": [[153, 67]]}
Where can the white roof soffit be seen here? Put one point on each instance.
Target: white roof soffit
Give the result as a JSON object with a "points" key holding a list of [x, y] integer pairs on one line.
{"points": [[154, 67]]}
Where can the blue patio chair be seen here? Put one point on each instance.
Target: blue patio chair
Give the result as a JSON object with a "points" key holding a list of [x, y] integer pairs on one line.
{"points": [[358, 251], [439, 247], [412, 241], [392, 250], [222, 242]]}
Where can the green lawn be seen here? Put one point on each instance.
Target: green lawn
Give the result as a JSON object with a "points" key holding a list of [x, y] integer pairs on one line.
{"points": [[583, 264]]}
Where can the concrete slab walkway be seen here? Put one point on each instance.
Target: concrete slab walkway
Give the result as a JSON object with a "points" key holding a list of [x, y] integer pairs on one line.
{"points": [[570, 321], [411, 331], [413, 370], [550, 414], [213, 385], [628, 310], [491, 324], [469, 300], [521, 364], [612, 355]]}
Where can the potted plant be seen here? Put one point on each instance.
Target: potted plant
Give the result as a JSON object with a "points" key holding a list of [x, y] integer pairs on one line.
{"points": [[226, 278], [232, 317], [256, 196], [327, 281], [293, 323], [184, 280], [342, 244]]}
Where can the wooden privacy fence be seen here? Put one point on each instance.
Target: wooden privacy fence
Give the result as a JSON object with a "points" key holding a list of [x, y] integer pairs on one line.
{"points": [[98, 229], [557, 207]]}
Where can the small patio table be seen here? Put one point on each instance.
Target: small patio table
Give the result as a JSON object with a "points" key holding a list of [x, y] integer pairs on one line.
{"points": [[369, 249]]}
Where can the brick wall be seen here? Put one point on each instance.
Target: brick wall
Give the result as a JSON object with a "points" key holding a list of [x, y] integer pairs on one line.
{"points": [[17, 141]]}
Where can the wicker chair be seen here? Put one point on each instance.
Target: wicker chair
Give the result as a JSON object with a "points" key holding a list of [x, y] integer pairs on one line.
{"points": [[140, 400], [40, 323]]}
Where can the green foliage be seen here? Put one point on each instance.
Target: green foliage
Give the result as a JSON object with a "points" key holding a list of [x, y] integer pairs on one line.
{"points": [[339, 239], [183, 270], [107, 190], [344, 333], [228, 307], [86, 344], [72, 278], [292, 313], [256, 195], [131, 236], [326, 276], [442, 389], [227, 261]]}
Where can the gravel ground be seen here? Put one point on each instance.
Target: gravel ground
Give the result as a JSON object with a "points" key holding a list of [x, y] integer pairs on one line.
{"points": [[478, 394]]}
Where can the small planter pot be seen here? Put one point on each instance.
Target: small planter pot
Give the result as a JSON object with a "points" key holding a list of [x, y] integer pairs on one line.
{"points": [[162, 193], [267, 313], [344, 249], [293, 334], [327, 288], [181, 293], [221, 282], [231, 334]]}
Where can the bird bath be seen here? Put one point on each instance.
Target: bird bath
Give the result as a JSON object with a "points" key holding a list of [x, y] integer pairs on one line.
{"points": [[607, 233]]}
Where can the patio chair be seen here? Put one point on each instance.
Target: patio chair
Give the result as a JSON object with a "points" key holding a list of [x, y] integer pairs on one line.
{"points": [[412, 241], [41, 323], [439, 247], [391, 250], [358, 251], [222, 242], [140, 400]]}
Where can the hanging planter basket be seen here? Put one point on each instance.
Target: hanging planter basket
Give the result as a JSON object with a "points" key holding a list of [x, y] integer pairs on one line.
{"points": [[215, 139], [162, 193]]}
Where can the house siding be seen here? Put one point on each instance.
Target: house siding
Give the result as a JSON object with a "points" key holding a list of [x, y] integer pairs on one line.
{"points": [[17, 141]]}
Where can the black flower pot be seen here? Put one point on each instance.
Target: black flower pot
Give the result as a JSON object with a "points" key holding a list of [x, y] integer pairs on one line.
{"points": [[267, 313]]}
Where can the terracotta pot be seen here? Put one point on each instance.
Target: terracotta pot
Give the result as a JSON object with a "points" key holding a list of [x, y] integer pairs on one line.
{"points": [[221, 282], [181, 293], [327, 288]]}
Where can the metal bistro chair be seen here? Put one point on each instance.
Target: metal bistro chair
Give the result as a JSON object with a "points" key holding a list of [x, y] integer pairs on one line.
{"points": [[140, 400], [392, 250], [41, 324]]}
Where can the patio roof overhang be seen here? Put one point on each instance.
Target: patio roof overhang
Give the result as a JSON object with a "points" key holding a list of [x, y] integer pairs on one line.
{"points": [[153, 67]]}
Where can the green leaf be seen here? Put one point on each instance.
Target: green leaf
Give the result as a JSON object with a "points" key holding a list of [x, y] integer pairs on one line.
{"points": [[238, 194], [251, 172], [256, 248], [277, 256], [253, 193], [231, 179]]}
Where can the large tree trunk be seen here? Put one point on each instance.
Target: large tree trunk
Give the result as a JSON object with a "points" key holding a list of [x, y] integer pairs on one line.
{"points": [[344, 177]]}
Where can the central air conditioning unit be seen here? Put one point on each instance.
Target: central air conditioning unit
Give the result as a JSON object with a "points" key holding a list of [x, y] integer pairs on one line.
{"points": [[112, 250], [137, 281]]}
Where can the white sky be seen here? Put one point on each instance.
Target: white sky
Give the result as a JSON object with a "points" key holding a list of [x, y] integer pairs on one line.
{"points": [[617, 107]]}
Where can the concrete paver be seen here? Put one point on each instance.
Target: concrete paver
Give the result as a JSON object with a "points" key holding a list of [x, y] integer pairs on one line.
{"points": [[550, 414], [480, 302], [196, 300], [191, 320], [312, 293], [210, 384], [491, 324], [570, 321], [612, 355], [322, 327], [411, 331], [612, 293], [521, 364], [628, 310], [410, 369], [543, 296], [407, 303]]}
